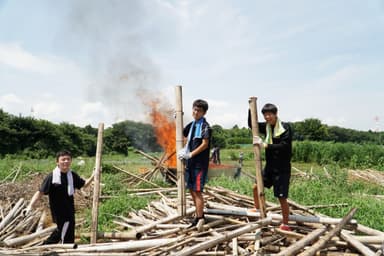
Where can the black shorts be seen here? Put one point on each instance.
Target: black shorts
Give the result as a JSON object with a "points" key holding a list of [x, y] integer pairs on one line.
{"points": [[279, 179]]}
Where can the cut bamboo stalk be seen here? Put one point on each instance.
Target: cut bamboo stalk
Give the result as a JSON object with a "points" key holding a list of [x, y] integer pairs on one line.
{"points": [[322, 242], [11, 215], [96, 188], [136, 176], [327, 206], [9, 175], [298, 246], [127, 246], [278, 217], [256, 149], [301, 207], [27, 238], [235, 245], [138, 232], [111, 235], [356, 244], [17, 173], [40, 224], [370, 239], [179, 145], [369, 231], [224, 237]]}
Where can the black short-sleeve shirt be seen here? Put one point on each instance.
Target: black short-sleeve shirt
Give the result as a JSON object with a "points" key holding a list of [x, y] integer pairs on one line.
{"points": [[202, 159], [61, 204]]}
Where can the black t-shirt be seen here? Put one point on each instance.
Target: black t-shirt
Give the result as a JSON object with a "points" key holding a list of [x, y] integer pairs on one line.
{"points": [[61, 204], [202, 159], [278, 155]]}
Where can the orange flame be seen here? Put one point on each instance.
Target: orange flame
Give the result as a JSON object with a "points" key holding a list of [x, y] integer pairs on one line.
{"points": [[165, 129]]}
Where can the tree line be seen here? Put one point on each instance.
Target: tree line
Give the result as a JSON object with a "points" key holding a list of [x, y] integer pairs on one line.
{"points": [[38, 138]]}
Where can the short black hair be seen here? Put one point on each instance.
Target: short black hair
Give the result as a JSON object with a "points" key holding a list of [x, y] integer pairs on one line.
{"points": [[63, 153], [269, 107], [201, 104]]}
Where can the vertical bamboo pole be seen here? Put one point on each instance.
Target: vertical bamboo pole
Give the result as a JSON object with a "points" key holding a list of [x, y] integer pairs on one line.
{"points": [[256, 149], [179, 146], [96, 189]]}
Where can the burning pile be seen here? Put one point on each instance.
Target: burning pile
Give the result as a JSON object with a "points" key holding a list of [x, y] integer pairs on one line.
{"points": [[165, 130]]}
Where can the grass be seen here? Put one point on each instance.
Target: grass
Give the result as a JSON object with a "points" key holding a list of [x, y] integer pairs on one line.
{"points": [[320, 190]]}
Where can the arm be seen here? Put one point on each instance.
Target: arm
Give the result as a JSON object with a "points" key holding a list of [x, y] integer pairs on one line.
{"points": [[201, 148], [89, 180], [36, 197], [285, 142]]}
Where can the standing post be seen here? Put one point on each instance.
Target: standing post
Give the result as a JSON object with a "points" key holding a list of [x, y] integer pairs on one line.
{"points": [[96, 188], [256, 149], [179, 146]]}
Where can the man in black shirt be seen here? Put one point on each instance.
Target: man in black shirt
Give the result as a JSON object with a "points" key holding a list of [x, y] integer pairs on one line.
{"points": [[59, 185], [278, 152]]}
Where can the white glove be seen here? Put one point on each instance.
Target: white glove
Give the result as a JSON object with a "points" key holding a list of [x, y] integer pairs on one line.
{"points": [[259, 141], [183, 154]]}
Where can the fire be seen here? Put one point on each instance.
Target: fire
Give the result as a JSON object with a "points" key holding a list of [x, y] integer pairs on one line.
{"points": [[165, 129]]}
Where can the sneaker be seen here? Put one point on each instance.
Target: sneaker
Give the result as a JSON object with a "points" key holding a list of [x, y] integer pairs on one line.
{"points": [[195, 221], [285, 227]]}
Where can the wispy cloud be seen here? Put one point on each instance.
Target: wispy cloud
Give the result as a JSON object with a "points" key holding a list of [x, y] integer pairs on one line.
{"points": [[13, 55]]}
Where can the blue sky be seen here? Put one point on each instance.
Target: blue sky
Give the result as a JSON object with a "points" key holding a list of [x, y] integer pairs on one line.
{"points": [[87, 62]]}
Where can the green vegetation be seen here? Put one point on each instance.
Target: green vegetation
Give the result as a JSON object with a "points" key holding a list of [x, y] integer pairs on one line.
{"points": [[348, 155], [35, 138]]}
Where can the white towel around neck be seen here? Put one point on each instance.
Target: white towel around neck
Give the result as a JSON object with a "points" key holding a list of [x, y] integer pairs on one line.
{"points": [[56, 179]]}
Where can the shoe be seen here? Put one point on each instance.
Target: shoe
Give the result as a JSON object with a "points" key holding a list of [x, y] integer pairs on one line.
{"points": [[195, 221], [285, 227]]}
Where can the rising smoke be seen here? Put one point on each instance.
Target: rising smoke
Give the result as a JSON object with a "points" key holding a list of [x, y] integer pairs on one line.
{"points": [[115, 38]]}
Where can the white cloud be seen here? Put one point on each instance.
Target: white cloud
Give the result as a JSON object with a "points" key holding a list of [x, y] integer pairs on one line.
{"points": [[9, 98], [15, 56], [50, 110]]}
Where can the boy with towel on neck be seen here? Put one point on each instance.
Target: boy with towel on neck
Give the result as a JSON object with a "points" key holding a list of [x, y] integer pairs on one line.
{"points": [[278, 152], [196, 156], [60, 186]]}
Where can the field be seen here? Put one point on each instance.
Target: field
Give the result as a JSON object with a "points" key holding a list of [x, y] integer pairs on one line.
{"points": [[310, 185]]}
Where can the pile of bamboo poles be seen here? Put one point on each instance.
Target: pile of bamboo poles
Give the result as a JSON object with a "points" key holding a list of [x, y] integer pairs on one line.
{"points": [[20, 227], [371, 176], [231, 228]]}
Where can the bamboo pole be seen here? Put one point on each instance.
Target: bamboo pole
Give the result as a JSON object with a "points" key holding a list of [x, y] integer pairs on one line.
{"points": [[137, 177], [138, 232], [275, 216], [321, 243], [17, 173], [9, 217], [179, 145], [370, 239], [96, 189], [296, 247], [40, 224], [24, 239], [369, 231], [256, 149], [224, 237], [356, 244]]}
